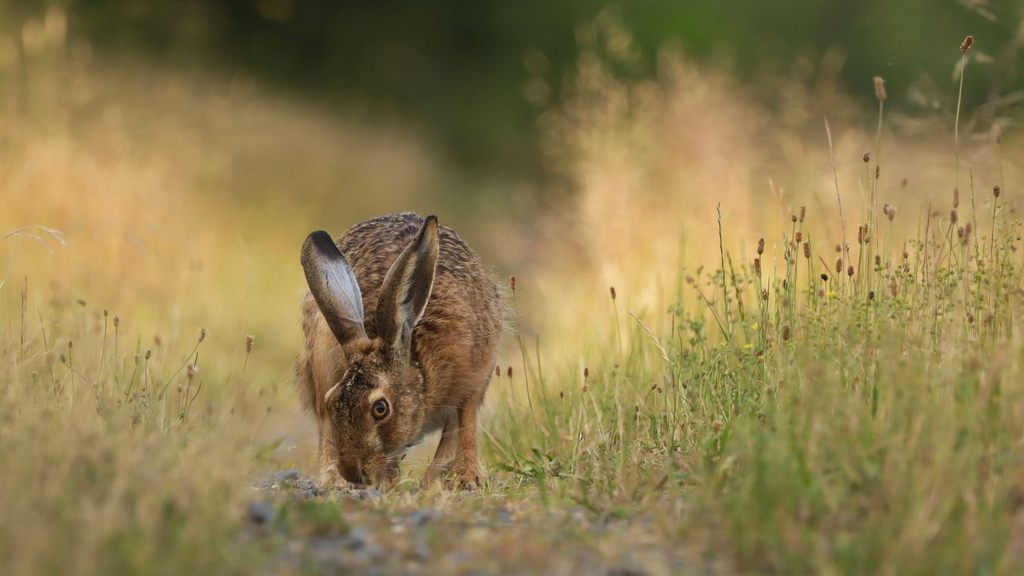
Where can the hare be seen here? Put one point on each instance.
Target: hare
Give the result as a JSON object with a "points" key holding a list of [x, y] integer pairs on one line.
{"points": [[402, 324]]}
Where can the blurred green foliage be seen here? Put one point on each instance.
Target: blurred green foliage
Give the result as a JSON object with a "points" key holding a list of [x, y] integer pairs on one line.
{"points": [[456, 67]]}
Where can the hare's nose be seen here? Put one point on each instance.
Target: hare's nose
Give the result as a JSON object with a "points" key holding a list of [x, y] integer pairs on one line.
{"points": [[352, 473]]}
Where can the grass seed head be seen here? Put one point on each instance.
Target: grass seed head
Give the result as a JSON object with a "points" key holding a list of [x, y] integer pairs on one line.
{"points": [[849, 270], [757, 267], [202, 334], [760, 246], [803, 211], [893, 287], [63, 360], [105, 313], [510, 372], [956, 197], [968, 42], [785, 333], [612, 290], [878, 260], [880, 88], [191, 371], [149, 352], [807, 250], [952, 217], [117, 321], [248, 343], [512, 283], [824, 277], [996, 190], [839, 265], [798, 236], [764, 295], [793, 218]]}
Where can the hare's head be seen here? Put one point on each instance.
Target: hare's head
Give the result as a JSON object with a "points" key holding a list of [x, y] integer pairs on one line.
{"points": [[375, 407]]}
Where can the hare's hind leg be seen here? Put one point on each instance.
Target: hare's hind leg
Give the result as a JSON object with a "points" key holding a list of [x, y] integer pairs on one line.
{"points": [[444, 457]]}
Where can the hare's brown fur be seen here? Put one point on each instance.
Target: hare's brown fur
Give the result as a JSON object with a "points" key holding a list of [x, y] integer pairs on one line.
{"points": [[449, 362]]}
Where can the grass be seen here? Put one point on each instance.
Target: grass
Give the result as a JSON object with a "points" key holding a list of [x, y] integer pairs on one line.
{"points": [[705, 412]]}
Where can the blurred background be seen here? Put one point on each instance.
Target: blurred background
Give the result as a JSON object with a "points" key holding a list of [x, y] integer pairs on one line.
{"points": [[184, 149]]}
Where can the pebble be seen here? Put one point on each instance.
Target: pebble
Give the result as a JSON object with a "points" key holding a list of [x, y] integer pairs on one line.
{"points": [[287, 475], [371, 495], [423, 517], [261, 512]]}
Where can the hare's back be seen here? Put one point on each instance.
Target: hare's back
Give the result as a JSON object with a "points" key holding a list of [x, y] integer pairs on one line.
{"points": [[464, 311]]}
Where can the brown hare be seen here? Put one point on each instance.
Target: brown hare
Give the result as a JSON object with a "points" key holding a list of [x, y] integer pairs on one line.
{"points": [[402, 325]]}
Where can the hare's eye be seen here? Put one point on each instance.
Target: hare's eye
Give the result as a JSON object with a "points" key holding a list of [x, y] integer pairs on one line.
{"points": [[381, 409]]}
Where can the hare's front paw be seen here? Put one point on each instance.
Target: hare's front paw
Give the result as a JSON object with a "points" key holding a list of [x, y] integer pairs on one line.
{"points": [[469, 475], [329, 476]]}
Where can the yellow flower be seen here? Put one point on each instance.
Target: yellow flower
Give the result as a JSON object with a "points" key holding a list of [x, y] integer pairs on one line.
{"points": [[754, 326], [748, 346]]}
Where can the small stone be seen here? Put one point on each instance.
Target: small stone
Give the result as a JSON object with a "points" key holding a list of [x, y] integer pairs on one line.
{"points": [[261, 512], [370, 495], [504, 517], [423, 517], [286, 476]]}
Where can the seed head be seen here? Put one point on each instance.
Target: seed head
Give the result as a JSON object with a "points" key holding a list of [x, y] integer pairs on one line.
{"points": [[785, 333], [512, 283], [970, 318], [960, 232], [764, 295], [956, 197], [248, 343], [70, 344], [117, 321], [839, 265], [136, 359], [793, 218], [612, 290], [878, 260], [586, 373], [906, 254], [105, 313], [839, 248], [952, 217], [996, 190], [509, 371], [149, 352], [807, 250], [63, 360], [561, 394], [191, 371], [757, 267], [760, 246], [824, 277], [202, 334], [871, 294], [893, 287], [860, 234], [803, 210], [821, 292], [497, 371], [877, 172], [849, 271], [891, 213], [798, 236], [968, 42], [880, 88]]}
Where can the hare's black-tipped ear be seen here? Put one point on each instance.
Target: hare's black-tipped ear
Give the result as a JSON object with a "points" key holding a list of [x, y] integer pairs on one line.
{"points": [[334, 286], [406, 289]]}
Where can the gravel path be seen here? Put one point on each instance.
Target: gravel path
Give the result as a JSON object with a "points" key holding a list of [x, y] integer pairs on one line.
{"points": [[307, 530]]}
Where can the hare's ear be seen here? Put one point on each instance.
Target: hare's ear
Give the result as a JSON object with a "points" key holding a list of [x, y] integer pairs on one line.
{"points": [[334, 286], [406, 289]]}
